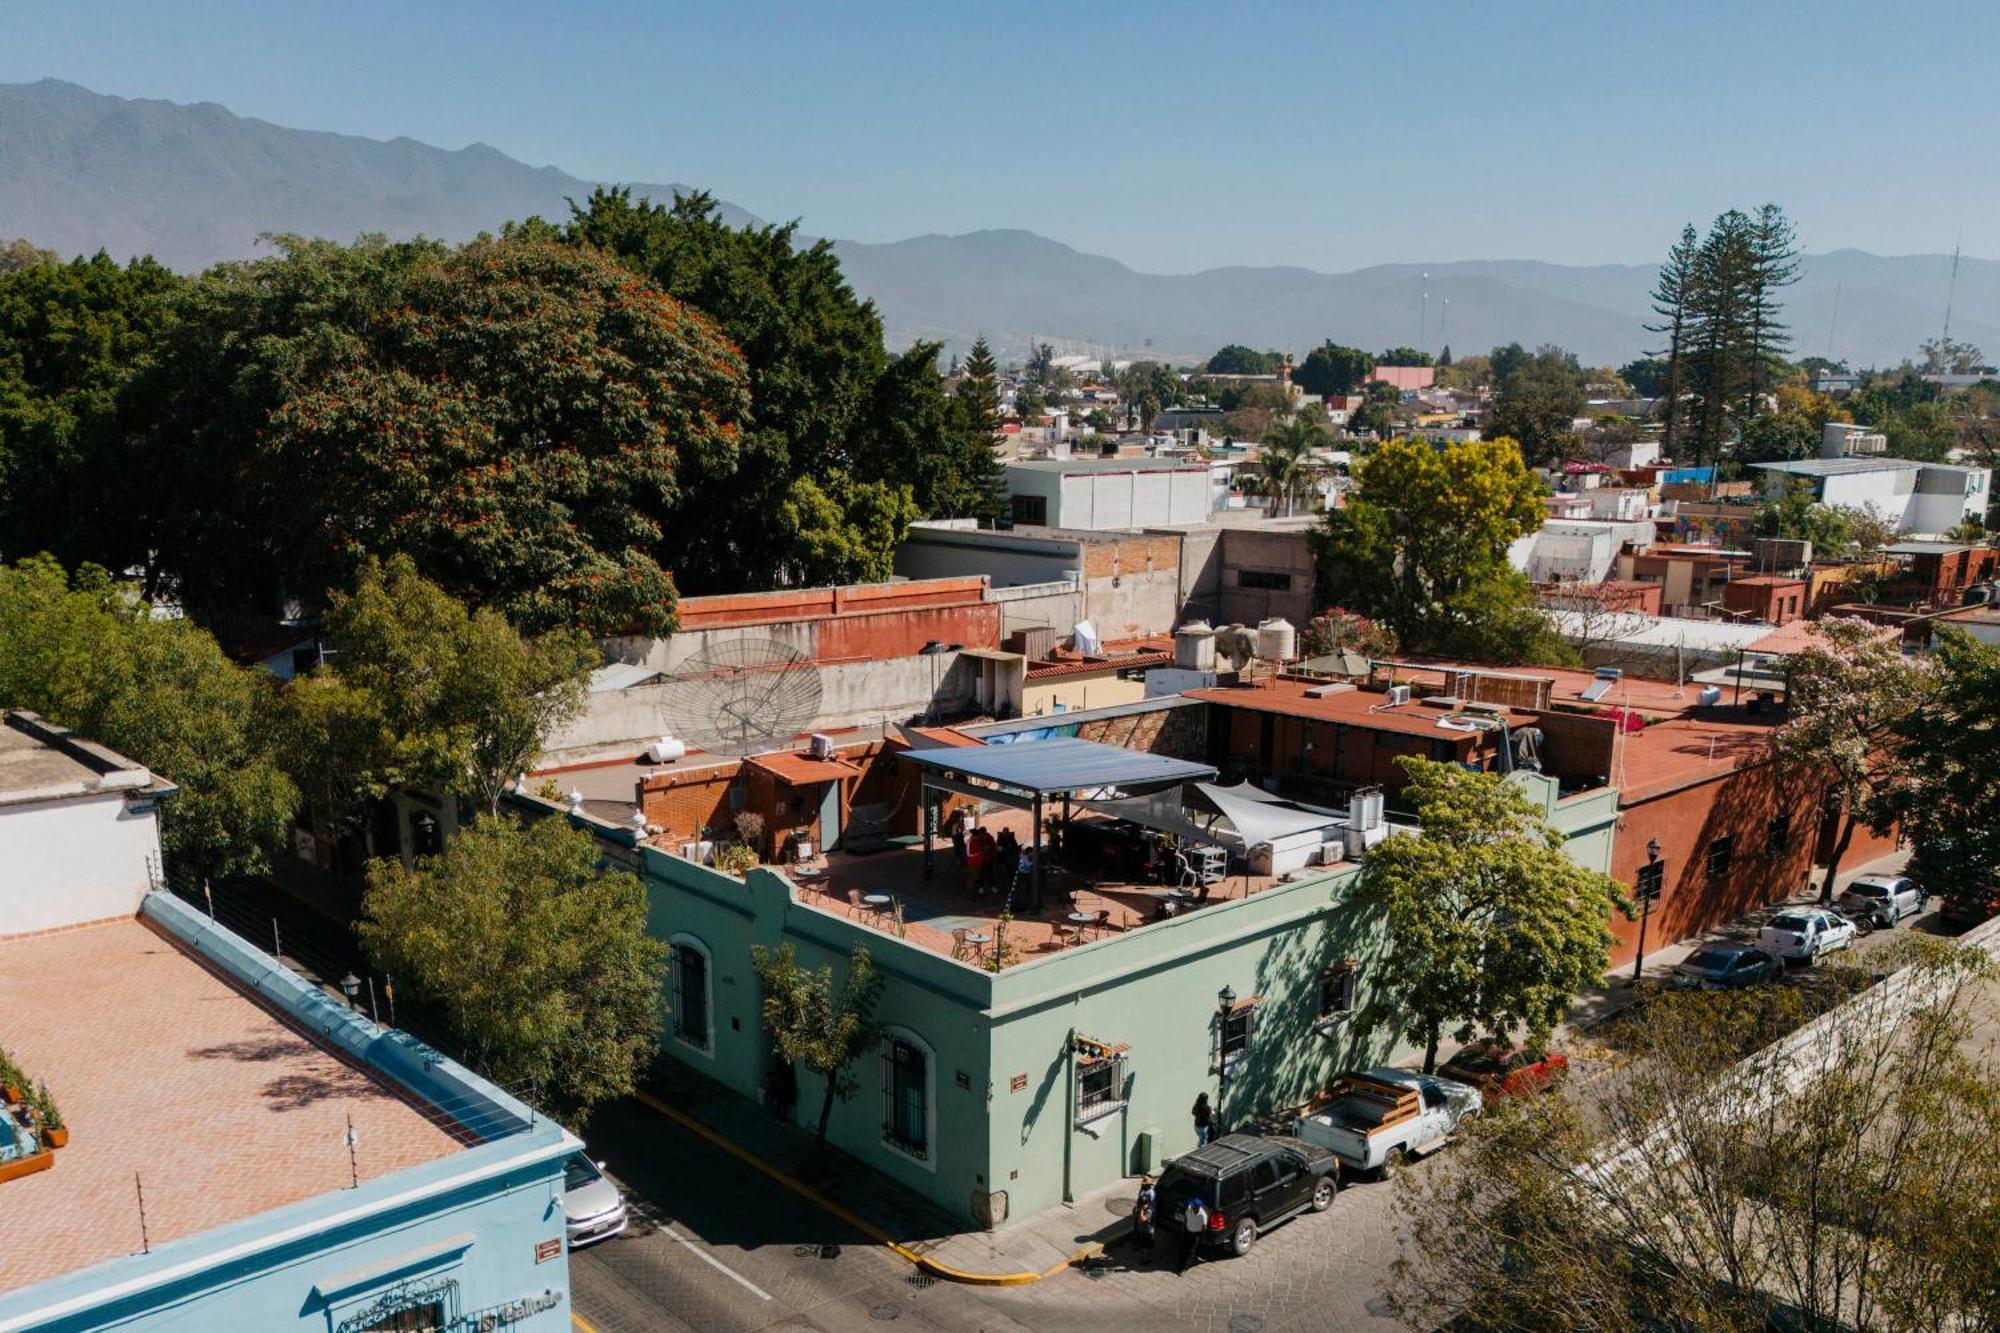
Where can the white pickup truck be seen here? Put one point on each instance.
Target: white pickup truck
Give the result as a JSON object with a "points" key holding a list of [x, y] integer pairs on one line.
{"points": [[1382, 1116]]}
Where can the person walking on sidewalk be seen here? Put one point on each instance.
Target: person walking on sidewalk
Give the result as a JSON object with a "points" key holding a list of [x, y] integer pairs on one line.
{"points": [[1204, 1120], [1142, 1215], [1194, 1221]]}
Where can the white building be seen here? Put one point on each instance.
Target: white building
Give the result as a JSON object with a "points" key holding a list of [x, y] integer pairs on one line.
{"points": [[1577, 550], [79, 828], [1098, 493], [1928, 498]]}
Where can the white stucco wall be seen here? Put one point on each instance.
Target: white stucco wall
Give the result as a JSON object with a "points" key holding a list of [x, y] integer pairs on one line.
{"points": [[80, 858]]}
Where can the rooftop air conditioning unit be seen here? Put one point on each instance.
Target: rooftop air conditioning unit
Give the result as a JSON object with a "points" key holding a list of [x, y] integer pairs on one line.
{"points": [[820, 746], [1398, 694]]}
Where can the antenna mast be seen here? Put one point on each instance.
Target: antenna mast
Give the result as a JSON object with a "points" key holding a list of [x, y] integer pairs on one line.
{"points": [[1950, 291]]}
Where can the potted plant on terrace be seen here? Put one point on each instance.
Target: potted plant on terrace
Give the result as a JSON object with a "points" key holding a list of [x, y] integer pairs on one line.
{"points": [[55, 1133], [11, 1079]]}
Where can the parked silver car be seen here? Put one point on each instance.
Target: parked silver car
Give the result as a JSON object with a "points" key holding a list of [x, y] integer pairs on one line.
{"points": [[1883, 899], [593, 1210]]}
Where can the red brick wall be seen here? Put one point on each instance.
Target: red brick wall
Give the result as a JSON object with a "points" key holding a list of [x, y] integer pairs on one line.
{"points": [[683, 804], [1687, 824]]}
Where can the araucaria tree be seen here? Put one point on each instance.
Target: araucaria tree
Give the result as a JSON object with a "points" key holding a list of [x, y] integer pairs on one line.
{"points": [[1421, 546], [1719, 305], [817, 1023], [538, 958], [1850, 694], [1491, 928], [1671, 297]]}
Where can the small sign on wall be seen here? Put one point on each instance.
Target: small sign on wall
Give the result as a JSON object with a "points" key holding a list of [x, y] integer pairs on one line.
{"points": [[1018, 1083], [546, 1250]]}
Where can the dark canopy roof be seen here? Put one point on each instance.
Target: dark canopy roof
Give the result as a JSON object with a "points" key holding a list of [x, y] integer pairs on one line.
{"points": [[1060, 764]]}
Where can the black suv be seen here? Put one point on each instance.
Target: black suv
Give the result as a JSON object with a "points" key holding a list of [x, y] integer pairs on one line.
{"points": [[1249, 1183]]}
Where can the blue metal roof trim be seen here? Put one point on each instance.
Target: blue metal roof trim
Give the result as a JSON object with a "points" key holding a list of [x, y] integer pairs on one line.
{"points": [[1061, 763]]}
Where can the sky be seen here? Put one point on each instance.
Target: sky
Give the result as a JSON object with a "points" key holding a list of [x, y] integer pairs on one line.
{"points": [[1173, 137]]}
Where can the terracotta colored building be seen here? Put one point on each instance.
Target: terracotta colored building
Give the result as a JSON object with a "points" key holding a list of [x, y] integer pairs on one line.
{"points": [[1771, 598]]}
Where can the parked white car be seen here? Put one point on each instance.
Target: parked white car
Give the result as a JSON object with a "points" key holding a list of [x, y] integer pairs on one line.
{"points": [[1802, 934], [1386, 1115], [1883, 899], [593, 1210]]}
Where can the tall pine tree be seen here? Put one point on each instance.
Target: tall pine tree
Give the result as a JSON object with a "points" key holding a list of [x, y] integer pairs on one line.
{"points": [[1671, 302], [1774, 265], [1722, 282], [979, 406]]}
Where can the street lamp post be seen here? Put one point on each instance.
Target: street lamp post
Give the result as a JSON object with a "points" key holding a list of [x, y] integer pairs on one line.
{"points": [[1650, 876], [1225, 1004]]}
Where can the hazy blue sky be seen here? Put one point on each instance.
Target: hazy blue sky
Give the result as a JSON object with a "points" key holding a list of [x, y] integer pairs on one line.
{"points": [[1173, 137]]}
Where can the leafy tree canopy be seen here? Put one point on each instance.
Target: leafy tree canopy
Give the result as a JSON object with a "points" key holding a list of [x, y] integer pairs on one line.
{"points": [[539, 959], [1491, 928], [424, 693], [1404, 356], [1537, 404], [1647, 376], [71, 336], [1237, 359], [85, 653], [1421, 546], [1331, 368], [519, 416]]}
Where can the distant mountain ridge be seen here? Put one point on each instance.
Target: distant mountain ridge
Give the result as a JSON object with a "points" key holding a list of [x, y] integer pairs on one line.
{"points": [[191, 185]]}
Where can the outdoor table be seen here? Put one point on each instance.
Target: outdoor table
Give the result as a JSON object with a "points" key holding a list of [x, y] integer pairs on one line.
{"points": [[977, 939], [878, 901]]}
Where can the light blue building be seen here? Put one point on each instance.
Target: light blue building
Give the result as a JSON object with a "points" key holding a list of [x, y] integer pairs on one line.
{"points": [[440, 1209]]}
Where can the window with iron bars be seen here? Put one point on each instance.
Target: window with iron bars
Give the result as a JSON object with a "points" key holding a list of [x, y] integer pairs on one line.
{"points": [[1100, 1087]]}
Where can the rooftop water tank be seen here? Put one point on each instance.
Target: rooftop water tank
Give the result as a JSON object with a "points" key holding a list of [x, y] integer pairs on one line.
{"points": [[1194, 646], [1277, 641]]}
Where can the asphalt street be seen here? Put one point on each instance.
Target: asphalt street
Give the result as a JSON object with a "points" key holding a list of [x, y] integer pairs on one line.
{"points": [[715, 1245]]}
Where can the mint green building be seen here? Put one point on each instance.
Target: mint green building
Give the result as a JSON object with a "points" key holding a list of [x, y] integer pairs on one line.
{"points": [[1000, 1094]]}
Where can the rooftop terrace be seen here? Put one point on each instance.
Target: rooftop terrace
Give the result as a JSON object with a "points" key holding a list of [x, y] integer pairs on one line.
{"points": [[165, 1071]]}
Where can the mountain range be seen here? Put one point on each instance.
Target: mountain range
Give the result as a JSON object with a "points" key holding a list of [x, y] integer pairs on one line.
{"points": [[194, 184]]}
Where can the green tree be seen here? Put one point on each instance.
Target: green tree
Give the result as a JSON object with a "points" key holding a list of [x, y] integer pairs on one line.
{"points": [[85, 652], [922, 439], [1332, 368], [1797, 516], [825, 397], [538, 958], [979, 418], [519, 416], [1648, 376], [1504, 361], [1672, 298], [817, 1023], [424, 693], [1850, 693], [1285, 460], [71, 338], [1490, 927], [1237, 359], [844, 531], [1403, 356], [1948, 805], [1537, 404], [1421, 545]]}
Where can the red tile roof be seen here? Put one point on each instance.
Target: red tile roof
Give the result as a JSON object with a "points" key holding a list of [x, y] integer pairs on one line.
{"points": [[1358, 708]]}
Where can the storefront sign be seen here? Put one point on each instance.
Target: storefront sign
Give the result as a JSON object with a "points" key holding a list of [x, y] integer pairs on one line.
{"points": [[546, 1250]]}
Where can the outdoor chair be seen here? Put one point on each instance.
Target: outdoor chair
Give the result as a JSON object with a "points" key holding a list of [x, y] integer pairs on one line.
{"points": [[960, 946], [854, 904]]}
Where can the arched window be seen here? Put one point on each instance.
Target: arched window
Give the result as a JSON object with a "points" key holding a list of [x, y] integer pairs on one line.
{"points": [[693, 1018], [909, 1095]]}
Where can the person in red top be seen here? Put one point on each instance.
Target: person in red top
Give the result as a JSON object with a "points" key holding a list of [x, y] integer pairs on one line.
{"points": [[980, 853]]}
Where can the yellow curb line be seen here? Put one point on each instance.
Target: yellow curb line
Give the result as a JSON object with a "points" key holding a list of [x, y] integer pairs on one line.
{"points": [[581, 1324], [853, 1219]]}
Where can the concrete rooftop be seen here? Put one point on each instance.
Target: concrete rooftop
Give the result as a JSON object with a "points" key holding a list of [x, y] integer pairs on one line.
{"points": [[164, 1070]]}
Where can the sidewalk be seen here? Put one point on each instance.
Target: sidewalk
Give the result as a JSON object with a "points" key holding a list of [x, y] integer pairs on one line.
{"points": [[1601, 1003], [891, 1214]]}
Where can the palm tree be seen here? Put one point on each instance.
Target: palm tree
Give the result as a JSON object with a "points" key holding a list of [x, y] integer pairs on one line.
{"points": [[1286, 460]]}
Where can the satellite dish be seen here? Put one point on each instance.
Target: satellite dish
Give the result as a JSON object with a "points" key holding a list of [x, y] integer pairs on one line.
{"points": [[742, 696]]}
